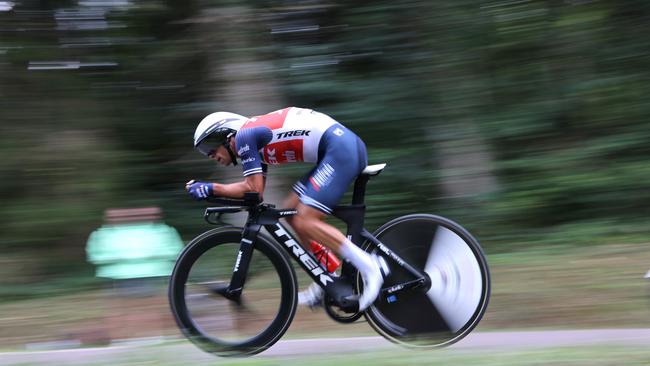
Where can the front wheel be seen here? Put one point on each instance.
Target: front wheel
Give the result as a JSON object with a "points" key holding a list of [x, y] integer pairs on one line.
{"points": [[226, 327], [460, 283]]}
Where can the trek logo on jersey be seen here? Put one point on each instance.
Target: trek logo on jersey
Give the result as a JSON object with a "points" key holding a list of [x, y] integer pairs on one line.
{"points": [[322, 177], [308, 261], [296, 133]]}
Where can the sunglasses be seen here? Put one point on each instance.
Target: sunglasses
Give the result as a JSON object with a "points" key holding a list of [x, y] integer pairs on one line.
{"points": [[209, 145]]}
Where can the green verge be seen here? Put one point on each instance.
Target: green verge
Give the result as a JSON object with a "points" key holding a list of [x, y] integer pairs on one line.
{"points": [[534, 288]]}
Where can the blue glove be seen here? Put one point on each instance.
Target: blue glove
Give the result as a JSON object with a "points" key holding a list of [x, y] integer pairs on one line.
{"points": [[199, 190]]}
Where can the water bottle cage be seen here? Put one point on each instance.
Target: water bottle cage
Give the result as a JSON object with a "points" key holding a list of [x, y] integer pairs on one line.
{"points": [[323, 257]]}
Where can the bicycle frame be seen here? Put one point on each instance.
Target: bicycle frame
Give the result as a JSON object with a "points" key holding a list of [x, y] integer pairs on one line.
{"points": [[338, 288], [353, 215], [405, 312]]}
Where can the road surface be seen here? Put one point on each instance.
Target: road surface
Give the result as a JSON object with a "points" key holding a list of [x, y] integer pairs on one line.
{"points": [[188, 354]]}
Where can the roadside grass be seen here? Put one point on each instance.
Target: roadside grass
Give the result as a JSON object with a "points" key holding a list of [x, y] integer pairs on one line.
{"points": [[587, 287], [551, 288]]}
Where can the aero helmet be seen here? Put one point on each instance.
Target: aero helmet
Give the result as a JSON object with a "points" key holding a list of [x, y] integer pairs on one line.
{"points": [[215, 130]]}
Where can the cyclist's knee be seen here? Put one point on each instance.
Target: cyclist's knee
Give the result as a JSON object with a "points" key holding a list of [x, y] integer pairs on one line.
{"points": [[299, 223], [309, 213], [304, 225], [292, 221], [291, 201], [307, 220]]}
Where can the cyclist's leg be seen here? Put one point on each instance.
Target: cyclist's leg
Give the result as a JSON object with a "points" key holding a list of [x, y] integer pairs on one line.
{"points": [[291, 202], [319, 194], [320, 190], [309, 223], [312, 296]]}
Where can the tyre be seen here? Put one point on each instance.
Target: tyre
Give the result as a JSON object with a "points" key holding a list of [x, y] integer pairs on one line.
{"points": [[226, 327], [460, 283]]}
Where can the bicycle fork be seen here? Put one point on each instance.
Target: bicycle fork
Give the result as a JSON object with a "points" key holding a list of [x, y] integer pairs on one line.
{"points": [[244, 256]]}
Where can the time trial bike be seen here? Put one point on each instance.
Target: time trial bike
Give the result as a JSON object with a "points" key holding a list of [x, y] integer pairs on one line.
{"points": [[233, 291]]}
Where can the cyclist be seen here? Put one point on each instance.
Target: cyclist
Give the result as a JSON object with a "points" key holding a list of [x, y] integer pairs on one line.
{"points": [[285, 136]]}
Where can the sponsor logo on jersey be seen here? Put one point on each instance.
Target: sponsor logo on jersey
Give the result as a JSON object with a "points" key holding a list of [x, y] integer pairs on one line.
{"points": [[270, 156], [338, 132], [296, 133], [289, 156], [323, 177], [249, 160], [289, 151], [243, 149]]}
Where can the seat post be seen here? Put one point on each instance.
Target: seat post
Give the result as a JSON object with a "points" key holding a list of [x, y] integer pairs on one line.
{"points": [[359, 193]]}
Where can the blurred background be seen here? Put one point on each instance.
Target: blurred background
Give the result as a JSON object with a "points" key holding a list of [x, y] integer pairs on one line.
{"points": [[524, 121]]}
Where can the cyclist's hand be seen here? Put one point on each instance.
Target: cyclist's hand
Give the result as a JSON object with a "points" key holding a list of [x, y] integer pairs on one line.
{"points": [[199, 190]]}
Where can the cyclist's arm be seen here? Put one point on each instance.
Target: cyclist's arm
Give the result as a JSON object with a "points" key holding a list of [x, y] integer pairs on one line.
{"points": [[265, 169], [248, 142], [251, 183]]}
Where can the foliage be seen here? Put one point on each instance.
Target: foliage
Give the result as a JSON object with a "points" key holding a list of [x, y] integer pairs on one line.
{"points": [[555, 91], [524, 121]]}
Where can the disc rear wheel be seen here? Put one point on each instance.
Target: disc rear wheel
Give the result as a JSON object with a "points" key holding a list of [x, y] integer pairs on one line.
{"points": [[460, 283]]}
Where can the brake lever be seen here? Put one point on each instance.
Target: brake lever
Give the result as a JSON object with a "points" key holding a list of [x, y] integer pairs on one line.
{"points": [[217, 219], [206, 217]]}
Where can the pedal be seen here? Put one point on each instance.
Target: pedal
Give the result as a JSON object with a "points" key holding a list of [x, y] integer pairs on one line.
{"points": [[341, 294], [349, 304], [340, 315]]}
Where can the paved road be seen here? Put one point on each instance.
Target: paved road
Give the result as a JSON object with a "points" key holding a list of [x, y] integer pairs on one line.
{"points": [[288, 348]]}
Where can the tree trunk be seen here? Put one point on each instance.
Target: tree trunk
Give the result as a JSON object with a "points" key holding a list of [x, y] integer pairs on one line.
{"points": [[239, 79]]}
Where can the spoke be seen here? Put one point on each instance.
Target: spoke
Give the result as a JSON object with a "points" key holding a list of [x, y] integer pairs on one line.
{"points": [[456, 281], [232, 320]]}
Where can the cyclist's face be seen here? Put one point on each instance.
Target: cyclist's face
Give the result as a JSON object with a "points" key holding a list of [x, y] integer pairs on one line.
{"points": [[221, 156]]}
